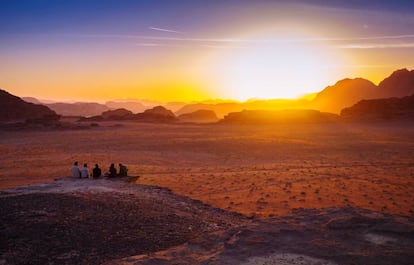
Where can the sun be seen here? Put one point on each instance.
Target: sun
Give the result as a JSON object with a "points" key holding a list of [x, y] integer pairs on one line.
{"points": [[277, 70]]}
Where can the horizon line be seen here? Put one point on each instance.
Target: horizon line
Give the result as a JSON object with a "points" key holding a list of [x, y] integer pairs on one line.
{"points": [[104, 101]]}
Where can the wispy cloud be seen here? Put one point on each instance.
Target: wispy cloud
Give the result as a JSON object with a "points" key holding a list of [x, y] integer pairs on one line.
{"points": [[238, 40], [377, 46], [403, 36], [370, 42], [157, 38], [165, 30], [223, 46], [144, 44], [392, 66], [149, 44]]}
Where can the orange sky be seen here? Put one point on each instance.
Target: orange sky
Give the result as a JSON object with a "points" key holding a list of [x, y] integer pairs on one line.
{"points": [[187, 52]]}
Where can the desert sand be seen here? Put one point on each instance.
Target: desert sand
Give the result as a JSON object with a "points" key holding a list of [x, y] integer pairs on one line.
{"points": [[254, 170], [337, 193]]}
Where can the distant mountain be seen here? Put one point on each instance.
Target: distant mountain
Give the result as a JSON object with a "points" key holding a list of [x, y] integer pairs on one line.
{"points": [[38, 101], [343, 94], [156, 114], [31, 100], [381, 109], [222, 109], [14, 109], [117, 114], [137, 106], [174, 106], [148, 103], [133, 106], [278, 117], [85, 109], [110, 115], [347, 92], [398, 84], [333, 98], [199, 116]]}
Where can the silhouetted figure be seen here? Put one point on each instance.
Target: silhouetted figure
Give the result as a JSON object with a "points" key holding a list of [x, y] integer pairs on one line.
{"points": [[112, 171], [123, 170], [85, 171], [96, 172], [75, 170]]}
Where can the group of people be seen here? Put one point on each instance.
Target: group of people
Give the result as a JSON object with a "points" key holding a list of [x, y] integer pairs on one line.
{"points": [[123, 171], [97, 172]]}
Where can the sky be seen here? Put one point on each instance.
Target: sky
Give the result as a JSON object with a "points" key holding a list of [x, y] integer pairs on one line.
{"points": [[192, 50]]}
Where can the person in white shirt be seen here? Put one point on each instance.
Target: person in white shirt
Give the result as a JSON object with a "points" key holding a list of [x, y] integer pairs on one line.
{"points": [[75, 170], [85, 171]]}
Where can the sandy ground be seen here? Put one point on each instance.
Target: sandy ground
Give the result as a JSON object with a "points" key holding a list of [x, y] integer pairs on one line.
{"points": [[263, 171]]}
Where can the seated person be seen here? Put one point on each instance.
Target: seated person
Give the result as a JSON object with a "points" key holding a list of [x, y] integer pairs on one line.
{"points": [[123, 170], [76, 173], [96, 172], [85, 171], [112, 171]]}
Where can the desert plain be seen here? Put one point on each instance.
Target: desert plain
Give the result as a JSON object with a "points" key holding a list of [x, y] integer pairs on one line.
{"points": [[325, 193], [263, 171]]}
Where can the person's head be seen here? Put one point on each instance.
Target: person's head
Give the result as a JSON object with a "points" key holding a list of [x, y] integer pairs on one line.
{"points": [[120, 164], [76, 163], [96, 165], [112, 165], [85, 165]]}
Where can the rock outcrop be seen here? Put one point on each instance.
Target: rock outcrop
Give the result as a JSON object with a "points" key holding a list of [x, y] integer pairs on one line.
{"points": [[399, 84], [343, 94], [276, 117], [152, 225], [31, 100], [86, 109], [199, 116], [133, 106], [381, 109], [221, 109], [111, 115], [156, 114], [15, 109], [308, 236], [347, 92], [117, 114]]}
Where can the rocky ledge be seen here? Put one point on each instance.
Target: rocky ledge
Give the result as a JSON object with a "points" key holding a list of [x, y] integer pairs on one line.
{"points": [[115, 222]]}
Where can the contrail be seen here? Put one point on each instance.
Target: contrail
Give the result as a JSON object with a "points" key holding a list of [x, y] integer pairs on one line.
{"points": [[165, 30]]}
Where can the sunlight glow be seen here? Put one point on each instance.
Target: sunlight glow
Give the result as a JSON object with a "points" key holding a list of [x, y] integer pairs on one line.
{"points": [[278, 70]]}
